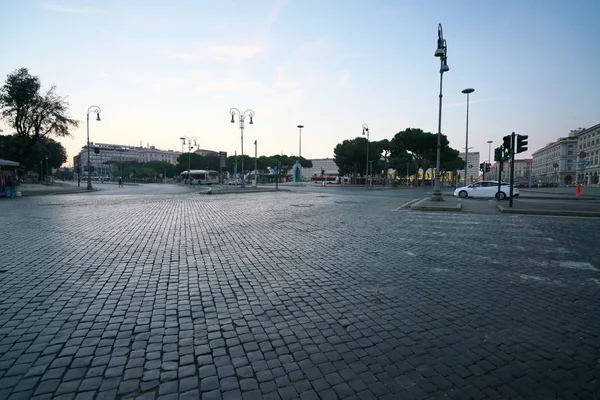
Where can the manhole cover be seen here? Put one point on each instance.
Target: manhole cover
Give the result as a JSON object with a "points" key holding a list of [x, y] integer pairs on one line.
{"points": [[301, 205], [2, 271], [346, 202], [53, 204], [321, 196]]}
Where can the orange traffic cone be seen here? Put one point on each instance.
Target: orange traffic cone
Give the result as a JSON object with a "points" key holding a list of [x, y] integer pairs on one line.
{"points": [[578, 191]]}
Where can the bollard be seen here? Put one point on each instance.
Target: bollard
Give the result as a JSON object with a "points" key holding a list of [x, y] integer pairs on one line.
{"points": [[578, 191]]}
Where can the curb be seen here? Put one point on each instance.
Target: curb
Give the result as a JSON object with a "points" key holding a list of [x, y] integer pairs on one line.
{"points": [[557, 213], [420, 207], [569, 198], [33, 194], [223, 192]]}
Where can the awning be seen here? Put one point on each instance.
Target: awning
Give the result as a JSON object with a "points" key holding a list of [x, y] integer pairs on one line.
{"points": [[8, 163]]}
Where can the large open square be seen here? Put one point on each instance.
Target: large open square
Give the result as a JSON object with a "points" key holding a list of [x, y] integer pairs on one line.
{"points": [[292, 295]]}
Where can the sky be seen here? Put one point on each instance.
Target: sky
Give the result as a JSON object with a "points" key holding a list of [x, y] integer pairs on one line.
{"points": [[160, 70]]}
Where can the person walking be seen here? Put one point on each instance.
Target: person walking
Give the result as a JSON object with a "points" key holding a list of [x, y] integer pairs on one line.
{"points": [[120, 181]]}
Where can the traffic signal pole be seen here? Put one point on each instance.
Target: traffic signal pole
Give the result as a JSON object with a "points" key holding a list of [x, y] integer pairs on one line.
{"points": [[512, 167], [499, 177]]}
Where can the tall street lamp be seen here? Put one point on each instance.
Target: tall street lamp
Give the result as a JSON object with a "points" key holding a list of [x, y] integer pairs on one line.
{"points": [[300, 141], [47, 170], [489, 142], [467, 91], [242, 117], [365, 130], [255, 160], [442, 53], [191, 142], [97, 110]]}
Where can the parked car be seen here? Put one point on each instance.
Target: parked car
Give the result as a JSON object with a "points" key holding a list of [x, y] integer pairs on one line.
{"points": [[486, 189], [234, 182]]}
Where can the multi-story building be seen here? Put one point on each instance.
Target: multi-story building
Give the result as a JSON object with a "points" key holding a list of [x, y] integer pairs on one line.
{"points": [[472, 169], [104, 158], [556, 162], [522, 171], [588, 156], [151, 153]]}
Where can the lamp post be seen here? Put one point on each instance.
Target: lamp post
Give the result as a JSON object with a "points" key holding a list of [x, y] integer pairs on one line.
{"points": [[255, 161], [467, 91], [242, 117], [300, 141], [191, 142], [47, 166], [97, 110], [442, 53], [365, 129]]}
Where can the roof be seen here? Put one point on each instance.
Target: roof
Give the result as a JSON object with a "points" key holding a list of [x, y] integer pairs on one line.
{"points": [[8, 163]]}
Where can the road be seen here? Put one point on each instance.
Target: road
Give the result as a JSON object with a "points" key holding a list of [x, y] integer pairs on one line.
{"points": [[137, 293]]}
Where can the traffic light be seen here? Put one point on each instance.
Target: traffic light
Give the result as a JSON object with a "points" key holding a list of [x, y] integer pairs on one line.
{"points": [[521, 143], [506, 143], [498, 154], [482, 167], [488, 167]]}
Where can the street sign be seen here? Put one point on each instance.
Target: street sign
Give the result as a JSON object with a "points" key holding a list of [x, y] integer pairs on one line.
{"points": [[582, 154], [275, 169], [583, 162], [555, 165], [223, 159]]}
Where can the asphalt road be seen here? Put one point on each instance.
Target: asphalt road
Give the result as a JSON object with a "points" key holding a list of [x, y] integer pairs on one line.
{"points": [[137, 293]]}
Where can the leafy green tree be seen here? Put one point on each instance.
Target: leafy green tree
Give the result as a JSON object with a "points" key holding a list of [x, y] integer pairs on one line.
{"points": [[10, 145], [32, 114], [351, 156]]}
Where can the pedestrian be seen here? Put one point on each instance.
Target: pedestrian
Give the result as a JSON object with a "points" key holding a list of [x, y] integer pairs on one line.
{"points": [[120, 182]]}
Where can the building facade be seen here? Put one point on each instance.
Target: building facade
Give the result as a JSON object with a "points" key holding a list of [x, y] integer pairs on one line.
{"points": [[588, 156], [523, 172], [319, 164], [105, 158], [473, 167], [556, 162]]}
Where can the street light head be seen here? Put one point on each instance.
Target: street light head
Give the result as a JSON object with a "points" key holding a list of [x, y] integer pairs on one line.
{"points": [[251, 120], [468, 91], [98, 116], [300, 126], [440, 50], [232, 119], [182, 140], [445, 67]]}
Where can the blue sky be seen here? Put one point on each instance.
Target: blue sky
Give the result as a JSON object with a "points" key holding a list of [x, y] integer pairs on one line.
{"points": [[163, 69]]}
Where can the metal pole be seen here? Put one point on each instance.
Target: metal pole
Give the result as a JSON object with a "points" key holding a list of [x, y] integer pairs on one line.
{"points": [[300, 144], [407, 164], [255, 161], [190, 165], [501, 162], [467, 144], [243, 184], [437, 190], [367, 171], [89, 167], [512, 168]]}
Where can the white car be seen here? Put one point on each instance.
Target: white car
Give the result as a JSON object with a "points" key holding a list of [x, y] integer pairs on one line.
{"points": [[486, 189]]}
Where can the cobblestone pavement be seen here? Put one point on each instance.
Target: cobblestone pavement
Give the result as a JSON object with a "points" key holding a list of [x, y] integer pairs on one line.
{"points": [[293, 295]]}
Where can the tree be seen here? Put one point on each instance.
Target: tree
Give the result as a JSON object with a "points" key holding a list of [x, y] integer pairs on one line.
{"points": [[421, 145], [45, 147], [33, 115], [351, 156]]}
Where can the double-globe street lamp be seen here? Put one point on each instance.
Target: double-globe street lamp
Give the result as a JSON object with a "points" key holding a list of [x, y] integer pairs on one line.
{"points": [[442, 53], [97, 110], [191, 142], [467, 91], [242, 117], [365, 130]]}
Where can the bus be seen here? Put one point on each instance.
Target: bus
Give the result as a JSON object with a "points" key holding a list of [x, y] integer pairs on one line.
{"points": [[200, 177]]}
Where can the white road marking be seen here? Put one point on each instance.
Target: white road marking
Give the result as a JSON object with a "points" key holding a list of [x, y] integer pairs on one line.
{"points": [[578, 265], [406, 204]]}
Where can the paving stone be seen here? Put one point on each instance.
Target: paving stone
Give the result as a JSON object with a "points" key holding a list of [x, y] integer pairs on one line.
{"points": [[226, 320]]}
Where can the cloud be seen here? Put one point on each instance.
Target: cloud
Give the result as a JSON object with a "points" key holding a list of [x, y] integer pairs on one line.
{"points": [[217, 52], [344, 79], [471, 102], [228, 86], [283, 81], [52, 6]]}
